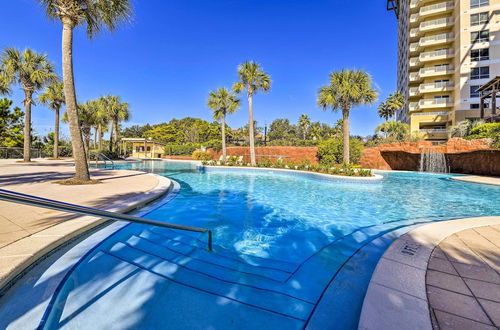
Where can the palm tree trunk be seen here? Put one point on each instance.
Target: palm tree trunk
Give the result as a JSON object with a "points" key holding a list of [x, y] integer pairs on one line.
{"points": [[111, 135], [100, 137], [345, 133], [251, 131], [95, 137], [27, 126], [224, 151], [81, 166], [116, 136], [56, 135]]}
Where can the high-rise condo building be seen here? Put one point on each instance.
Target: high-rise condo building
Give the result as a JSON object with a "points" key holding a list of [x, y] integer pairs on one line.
{"points": [[447, 50]]}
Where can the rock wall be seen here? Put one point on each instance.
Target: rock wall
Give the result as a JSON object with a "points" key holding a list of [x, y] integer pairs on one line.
{"points": [[463, 156], [296, 154]]}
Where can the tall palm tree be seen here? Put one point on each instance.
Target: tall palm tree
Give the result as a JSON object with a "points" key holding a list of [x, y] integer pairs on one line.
{"points": [[223, 102], [304, 124], [94, 15], [347, 89], [32, 71], [392, 104], [53, 97], [102, 120], [252, 78]]}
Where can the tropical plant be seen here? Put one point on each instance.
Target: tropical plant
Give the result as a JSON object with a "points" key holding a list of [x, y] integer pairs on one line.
{"points": [[486, 131], [347, 89], [394, 129], [222, 102], [201, 155], [32, 71], [304, 124], [53, 97], [252, 78], [113, 109], [86, 119], [94, 15], [11, 124], [331, 152], [392, 104], [463, 128]]}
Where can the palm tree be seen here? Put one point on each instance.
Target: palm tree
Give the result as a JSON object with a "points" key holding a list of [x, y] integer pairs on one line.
{"points": [[53, 97], [392, 104], [32, 71], [347, 89], [394, 129], [116, 111], [252, 78], [304, 124], [94, 15], [463, 128], [86, 119], [223, 102]]}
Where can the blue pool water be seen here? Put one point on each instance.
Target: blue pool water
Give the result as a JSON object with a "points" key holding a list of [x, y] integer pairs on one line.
{"points": [[280, 241]]}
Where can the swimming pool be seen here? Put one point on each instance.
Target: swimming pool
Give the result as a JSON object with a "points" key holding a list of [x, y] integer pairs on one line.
{"points": [[280, 241]]}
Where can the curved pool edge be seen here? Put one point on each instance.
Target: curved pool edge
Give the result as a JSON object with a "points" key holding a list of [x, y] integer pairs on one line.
{"points": [[64, 233], [396, 297], [376, 178]]}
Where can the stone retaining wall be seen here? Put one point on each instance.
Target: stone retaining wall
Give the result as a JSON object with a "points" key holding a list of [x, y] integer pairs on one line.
{"points": [[463, 156]]}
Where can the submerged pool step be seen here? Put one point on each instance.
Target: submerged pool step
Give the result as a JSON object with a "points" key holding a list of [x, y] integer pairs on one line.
{"points": [[184, 251], [275, 302], [225, 253]]}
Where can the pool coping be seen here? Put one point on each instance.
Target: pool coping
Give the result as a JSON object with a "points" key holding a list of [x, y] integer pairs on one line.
{"points": [[27, 251], [396, 297], [336, 178]]}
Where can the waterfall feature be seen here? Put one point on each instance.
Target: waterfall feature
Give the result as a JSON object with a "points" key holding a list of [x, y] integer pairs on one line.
{"points": [[431, 161]]}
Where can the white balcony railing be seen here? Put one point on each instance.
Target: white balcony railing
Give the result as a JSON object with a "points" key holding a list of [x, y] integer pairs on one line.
{"points": [[413, 106], [436, 113], [414, 32], [437, 6], [434, 130], [437, 53], [414, 46], [430, 103], [446, 21], [414, 3], [436, 70], [437, 85], [437, 37], [414, 91]]}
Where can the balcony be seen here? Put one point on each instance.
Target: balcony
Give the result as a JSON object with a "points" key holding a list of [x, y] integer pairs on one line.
{"points": [[414, 4], [414, 91], [436, 24], [437, 9], [413, 106], [433, 114], [414, 47], [415, 62], [434, 103], [415, 77], [437, 55], [435, 71], [414, 19], [444, 86], [414, 33], [437, 39]]}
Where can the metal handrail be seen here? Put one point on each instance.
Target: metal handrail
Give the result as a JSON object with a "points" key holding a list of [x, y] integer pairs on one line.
{"points": [[14, 197], [100, 156]]}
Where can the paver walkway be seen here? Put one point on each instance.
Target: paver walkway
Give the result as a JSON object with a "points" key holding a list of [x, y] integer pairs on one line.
{"points": [[463, 280], [18, 221]]}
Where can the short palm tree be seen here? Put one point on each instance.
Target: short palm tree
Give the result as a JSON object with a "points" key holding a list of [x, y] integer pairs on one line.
{"points": [[347, 89], [304, 124], [222, 102], [53, 97], [116, 111], [94, 15], [86, 119], [394, 129], [32, 71], [252, 78]]}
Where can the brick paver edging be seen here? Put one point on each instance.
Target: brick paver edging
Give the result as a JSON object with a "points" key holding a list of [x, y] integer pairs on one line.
{"points": [[36, 246], [396, 297]]}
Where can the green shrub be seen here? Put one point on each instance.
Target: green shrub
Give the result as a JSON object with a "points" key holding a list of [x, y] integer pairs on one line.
{"points": [[290, 164], [181, 149], [304, 164], [201, 155], [486, 131], [265, 162], [279, 164], [213, 144], [364, 172], [330, 152]]}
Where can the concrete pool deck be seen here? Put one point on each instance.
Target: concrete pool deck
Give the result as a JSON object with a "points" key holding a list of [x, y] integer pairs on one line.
{"points": [[479, 179], [410, 281], [27, 233]]}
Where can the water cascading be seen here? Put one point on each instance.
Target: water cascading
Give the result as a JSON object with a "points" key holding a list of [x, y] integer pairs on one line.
{"points": [[431, 161]]}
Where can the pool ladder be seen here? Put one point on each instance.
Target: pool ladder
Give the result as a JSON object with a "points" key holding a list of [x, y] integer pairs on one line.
{"points": [[14, 197], [99, 156]]}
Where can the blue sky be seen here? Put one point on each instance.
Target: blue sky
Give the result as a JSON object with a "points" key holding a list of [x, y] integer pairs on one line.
{"points": [[175, 51]]}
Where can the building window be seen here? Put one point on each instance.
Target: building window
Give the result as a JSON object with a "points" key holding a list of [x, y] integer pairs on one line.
{"points": [[477, 55], [482, 72], [442, 97], [479, 3], [480, 36], [148, 148], [139, 149], [479, 19], [473, 91], [475, 106]]}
